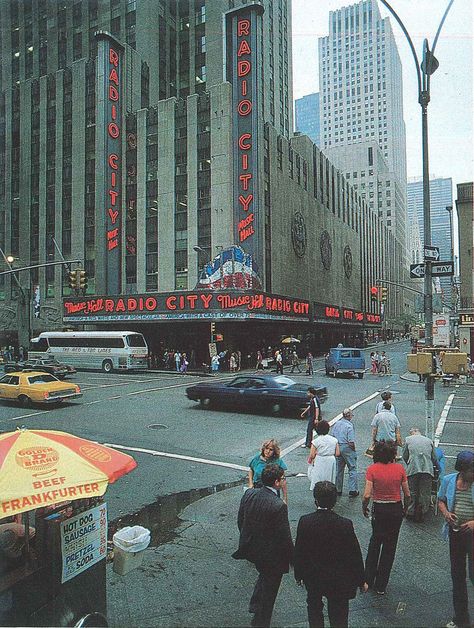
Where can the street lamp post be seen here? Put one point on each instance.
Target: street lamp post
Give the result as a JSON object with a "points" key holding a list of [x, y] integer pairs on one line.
{"points": [[424, 70]]}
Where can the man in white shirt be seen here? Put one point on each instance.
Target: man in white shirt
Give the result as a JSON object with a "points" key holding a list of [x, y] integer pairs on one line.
{"points": [[386, 426], [344, 431]]}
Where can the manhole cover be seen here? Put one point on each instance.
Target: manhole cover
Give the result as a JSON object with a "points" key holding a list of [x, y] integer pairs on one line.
{"points": [[158, 426]]}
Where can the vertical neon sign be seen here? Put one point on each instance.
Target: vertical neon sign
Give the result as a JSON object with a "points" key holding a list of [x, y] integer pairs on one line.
{"points": [[243, 73], [110, 59]]}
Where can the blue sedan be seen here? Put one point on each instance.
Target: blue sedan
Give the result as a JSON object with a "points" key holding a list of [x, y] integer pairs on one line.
{"points": [[279, 395]]}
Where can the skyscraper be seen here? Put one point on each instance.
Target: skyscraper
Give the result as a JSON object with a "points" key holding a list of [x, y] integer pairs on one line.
{"points": [[362, 106], [441, 197], [307, 117]]}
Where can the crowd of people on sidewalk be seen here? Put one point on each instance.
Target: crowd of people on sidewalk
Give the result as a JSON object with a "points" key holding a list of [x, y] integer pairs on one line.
{"points": [[326, 555]]}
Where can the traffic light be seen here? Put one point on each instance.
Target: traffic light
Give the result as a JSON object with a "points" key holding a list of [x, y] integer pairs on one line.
{"points": [[383, 297], [374, 294], [213, 331], [72, 276], [82, 280]]}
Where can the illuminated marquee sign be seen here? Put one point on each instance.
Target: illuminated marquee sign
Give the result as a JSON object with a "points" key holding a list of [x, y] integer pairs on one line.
{"points": [[185, 305], [323, 313], [242, 72], [110, 56]]}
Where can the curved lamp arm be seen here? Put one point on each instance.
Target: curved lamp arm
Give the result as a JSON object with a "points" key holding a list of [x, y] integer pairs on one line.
{"points": [[412, 47], [435, 41]]}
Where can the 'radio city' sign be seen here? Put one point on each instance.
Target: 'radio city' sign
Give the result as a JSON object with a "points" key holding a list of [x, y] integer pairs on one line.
{"points": [[185, 305], [242, 72], [323, 313]]}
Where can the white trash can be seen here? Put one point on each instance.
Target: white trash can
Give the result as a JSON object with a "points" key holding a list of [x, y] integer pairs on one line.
{"points": [[129, 545]]}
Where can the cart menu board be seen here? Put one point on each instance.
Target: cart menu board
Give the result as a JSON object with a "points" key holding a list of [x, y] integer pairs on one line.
{"points": [[83, 541]]}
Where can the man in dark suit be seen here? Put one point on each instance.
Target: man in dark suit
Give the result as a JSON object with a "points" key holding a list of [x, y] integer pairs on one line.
{"points": [[265, 541], [328, 560]]}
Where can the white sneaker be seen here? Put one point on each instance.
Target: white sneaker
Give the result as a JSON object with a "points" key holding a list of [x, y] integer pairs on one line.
{"points": [[451, 624]]}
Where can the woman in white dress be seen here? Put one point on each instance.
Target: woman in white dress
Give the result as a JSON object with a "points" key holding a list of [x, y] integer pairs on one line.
{"points": [[322, 458]]}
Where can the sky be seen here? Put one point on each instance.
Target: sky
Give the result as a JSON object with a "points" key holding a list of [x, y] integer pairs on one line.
{"points": [[450, 112]]}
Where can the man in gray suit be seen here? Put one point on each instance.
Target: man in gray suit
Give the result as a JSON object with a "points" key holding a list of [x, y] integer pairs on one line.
{"points": [[265, 541], [420, 457]]}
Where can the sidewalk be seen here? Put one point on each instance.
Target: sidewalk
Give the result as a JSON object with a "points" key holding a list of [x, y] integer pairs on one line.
{"points": [[193, 581]]}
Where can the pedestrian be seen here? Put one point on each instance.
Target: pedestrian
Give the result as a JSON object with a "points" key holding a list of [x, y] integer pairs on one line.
{"points": [[239, 360], [386, 395], [215, 364], [265, 541], [21, 353], [386, 426], [295, 362], [232, 362], [313, 412], [328, 560], [377, 362], [177, 360], [184, 364], [383, 364], [373, 363], [269, 454], [322, 457], [344, 431], [259, 365], [309, 364], [419, 454], [279, 362], [384, 479], [456, 504]]}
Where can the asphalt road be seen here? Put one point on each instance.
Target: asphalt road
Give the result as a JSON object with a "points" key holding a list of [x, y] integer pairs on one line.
{"points": [[190, 448]]}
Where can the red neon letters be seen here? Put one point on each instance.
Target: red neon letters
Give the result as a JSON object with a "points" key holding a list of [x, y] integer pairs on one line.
{"points": [[113, 160], [245, 196]]}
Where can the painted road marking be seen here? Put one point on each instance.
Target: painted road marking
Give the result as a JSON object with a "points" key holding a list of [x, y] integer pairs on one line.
{"points": [[24, 416], [165, 454], [442, 420], [466, 422], [461, 407]]}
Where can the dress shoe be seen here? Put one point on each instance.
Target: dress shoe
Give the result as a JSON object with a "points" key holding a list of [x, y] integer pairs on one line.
{"points": [[353, 493]]}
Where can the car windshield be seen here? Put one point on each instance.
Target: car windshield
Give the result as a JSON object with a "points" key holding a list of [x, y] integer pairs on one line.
{"points": [[44, 378], [136, 340], [284, 381]]}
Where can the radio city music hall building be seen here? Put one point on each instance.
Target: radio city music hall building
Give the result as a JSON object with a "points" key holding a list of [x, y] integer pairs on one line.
{"points": [[156, 144]]}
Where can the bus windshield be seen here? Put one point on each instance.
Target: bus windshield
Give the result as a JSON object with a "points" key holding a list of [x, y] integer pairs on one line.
{"points": [[136, 340]]}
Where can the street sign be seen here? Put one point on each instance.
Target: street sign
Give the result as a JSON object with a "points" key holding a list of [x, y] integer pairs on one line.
{"points": [[417, 271], [442, 269], [438, 269], [431, 253]]}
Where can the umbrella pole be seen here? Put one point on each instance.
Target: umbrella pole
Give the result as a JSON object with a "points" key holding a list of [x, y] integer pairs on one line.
{"points": [[26, 523]]}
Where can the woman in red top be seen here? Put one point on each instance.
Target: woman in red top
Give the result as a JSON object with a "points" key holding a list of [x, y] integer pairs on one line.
{"points": [[383, 482]]}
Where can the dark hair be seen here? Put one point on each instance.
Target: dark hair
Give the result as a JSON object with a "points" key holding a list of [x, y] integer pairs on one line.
{"points": [[385, 451], [322, 428], [387, 405], [386, 395], [464, 461], [324, 494], [312, 390], [271, 473]]}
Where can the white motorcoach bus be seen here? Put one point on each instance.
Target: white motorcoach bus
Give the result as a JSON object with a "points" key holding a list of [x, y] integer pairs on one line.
{"points": [[106, 350]]}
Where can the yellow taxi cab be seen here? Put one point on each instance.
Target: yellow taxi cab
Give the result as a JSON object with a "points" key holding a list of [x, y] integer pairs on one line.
{"points": [[36, 387]]}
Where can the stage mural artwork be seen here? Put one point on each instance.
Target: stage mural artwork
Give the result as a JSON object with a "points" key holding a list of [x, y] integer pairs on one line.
{"points": [[242, 28]]}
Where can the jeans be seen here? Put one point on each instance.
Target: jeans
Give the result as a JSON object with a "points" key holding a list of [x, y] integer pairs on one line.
{"points": [[420, 489], [338, 608], [348, 457], [386, 522], [264, 596], [460, 550]]}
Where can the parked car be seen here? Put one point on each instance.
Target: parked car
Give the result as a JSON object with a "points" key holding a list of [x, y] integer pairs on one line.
{"points": [[279, 394], [58, 369], [345, 360], [28, 387]]}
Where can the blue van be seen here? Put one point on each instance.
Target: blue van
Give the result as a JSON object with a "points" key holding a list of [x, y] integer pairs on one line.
{"points": [[345, 360]]}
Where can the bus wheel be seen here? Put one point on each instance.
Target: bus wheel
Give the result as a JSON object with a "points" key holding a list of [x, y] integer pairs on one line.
{"points": [[107, 366]]}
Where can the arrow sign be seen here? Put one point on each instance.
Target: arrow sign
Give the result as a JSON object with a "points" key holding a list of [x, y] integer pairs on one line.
{"points": [[431, 253], [417, 271], [442, 269]]}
